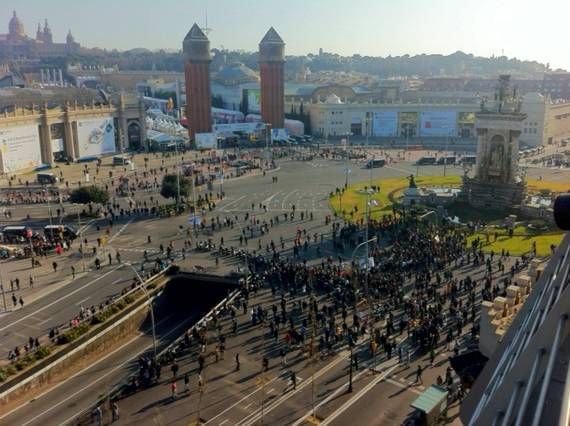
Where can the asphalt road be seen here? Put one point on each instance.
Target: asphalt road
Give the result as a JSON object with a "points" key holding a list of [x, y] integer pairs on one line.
{"points": [[303, 184]]}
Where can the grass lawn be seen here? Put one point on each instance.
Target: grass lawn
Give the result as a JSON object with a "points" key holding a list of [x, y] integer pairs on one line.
{"points": [[519, 243], [391, 189]]}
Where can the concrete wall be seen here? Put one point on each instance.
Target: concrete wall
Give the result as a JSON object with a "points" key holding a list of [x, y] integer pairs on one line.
{"points": [[74, 357]]}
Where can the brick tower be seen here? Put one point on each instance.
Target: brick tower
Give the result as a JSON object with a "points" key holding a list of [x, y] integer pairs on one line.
{"points": [[196, 48], [271, 60]]}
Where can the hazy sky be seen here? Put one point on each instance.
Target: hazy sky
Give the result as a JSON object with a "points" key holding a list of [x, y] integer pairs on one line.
{"points": [[526, 29]]}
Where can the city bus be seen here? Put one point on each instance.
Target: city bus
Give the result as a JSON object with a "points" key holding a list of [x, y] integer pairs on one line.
{"points": [[426, 161], [468, 160], [377, 162], [450, 160], [14, 234], [58, 232]]}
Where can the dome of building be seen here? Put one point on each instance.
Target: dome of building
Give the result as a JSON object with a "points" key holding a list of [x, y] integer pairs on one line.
{"points": [[333, 99], [16, 27], [235, 74]]}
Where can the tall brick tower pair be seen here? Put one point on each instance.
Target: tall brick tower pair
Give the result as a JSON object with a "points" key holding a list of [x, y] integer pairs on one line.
{"points": [[196, 48], [271, 63]]}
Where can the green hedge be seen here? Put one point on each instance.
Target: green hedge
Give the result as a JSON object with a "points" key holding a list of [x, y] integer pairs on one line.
{"points": [[24, 362], [111, 310], [74, 333]]}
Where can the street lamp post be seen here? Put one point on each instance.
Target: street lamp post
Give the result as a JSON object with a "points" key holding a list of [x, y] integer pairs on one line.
{"points": [[445, 155], [350, 369], [145, 291], [80, 240], [3, 293], [346, 146], [177, 171], [267, 138], [366, 291]]}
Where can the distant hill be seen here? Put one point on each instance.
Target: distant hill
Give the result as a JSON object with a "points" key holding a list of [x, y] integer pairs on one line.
{"points": [[433, 65]]}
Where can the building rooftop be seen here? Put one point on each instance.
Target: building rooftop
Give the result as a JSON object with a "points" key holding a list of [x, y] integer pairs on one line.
{"points": [[271, 37], [234, 74]]}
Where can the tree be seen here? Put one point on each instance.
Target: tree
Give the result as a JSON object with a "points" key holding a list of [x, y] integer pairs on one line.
{"points": [[89, 194], [217, 101], [170, 188]]}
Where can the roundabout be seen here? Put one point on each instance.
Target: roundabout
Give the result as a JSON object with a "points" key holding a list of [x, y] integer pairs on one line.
{"points": [[528, 233]]}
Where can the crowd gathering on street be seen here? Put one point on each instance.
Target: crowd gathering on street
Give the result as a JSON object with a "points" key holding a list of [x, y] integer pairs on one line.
{"points": [[419, 295]]}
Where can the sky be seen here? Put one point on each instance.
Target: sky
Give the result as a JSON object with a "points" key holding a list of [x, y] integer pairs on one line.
{"points": [[525, 29]]}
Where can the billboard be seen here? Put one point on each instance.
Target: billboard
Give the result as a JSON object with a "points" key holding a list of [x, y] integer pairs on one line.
{"points": [[57, 145], [20, 148], [385, 123], [96, 136], [254, 100], [239, 127], [279, 135], [438, 123], [206, 141]]}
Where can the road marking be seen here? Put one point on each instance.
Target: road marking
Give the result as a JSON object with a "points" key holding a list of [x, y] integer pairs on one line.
{"points": [[117, 280], [94, 381], [356, 397], [411, 389], [225, 421], [247, 406], [82, 300], [329, 398], [120, 231], [271, 390], [239, 402], [285, 199], [49, 305], [84, 227], [267, 201], [256, 415], [237, 200], [44, 321]]}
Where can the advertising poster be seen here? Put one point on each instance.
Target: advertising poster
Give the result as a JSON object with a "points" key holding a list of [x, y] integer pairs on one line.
{"points": [[254, 100], [96, 136], [206, 141], [385, 123], [238, 127], [279, 135], [20, 148], [438, 123]]}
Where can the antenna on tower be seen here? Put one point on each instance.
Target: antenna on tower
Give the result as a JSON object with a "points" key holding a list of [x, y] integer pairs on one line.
{"points": [[206, 29]]}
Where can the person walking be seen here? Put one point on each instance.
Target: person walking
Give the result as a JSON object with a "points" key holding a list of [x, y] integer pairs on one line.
{"points": [[294, 380], [419, 372], [73, 271], [173, 389], [283, 358], [200, 383], [21, 302], [98, 416], [14, 300], [237, 362], [54, 265], [115, 411], [186, 382]]}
